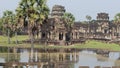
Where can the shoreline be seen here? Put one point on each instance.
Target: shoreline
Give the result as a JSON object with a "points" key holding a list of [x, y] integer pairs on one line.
{"points": [[60, 49], [89, 45]]}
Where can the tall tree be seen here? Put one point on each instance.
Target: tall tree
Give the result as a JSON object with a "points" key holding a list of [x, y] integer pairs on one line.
{"points": [[1, 24], [33, 13], [89, 20], [117, 17], [88, 17], [8, 23], [16, 27], [117, 22], [69, 19]]}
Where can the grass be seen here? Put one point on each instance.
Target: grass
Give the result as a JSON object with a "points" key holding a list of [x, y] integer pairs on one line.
{"points": [[4, 40], [89, 44], [99, 45], [19, 37]]}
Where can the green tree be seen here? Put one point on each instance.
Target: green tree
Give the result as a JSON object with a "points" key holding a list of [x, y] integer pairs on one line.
{"points": [[8, 24], [117, 22], [89, 20], [69, 19], [33, 13], [117, 17], [1, 25], [88, 17], [16, 27]]}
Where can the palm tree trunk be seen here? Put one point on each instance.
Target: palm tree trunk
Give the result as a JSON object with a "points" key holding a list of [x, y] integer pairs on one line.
{"points": [[88, 29], [117, 30], [16, 37], [8, 36]]}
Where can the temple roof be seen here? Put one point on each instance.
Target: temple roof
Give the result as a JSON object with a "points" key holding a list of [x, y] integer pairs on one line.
{"points": [[102, 16], [58, 10]]}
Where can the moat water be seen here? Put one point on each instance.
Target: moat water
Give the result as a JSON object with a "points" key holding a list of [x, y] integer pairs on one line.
{"points": [[62, 60]]}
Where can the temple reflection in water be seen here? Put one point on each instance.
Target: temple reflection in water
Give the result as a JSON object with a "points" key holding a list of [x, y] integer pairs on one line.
{"points": [[42, 60], [58, 59]]}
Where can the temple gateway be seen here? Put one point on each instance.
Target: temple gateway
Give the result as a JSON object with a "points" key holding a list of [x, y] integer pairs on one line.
{"points": [[55, 30]]}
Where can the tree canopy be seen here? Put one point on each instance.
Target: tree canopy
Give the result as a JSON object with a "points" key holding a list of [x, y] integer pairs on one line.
{"points": [[117, 18], [8, 21], [69, 18], [88, 17], [36, 10]]}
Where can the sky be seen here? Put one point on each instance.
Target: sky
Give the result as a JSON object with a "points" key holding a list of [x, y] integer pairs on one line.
{"points": [[79, 8]]}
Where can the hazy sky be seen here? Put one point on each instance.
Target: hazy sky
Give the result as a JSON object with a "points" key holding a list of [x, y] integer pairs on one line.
{"points": [[79, 8]]}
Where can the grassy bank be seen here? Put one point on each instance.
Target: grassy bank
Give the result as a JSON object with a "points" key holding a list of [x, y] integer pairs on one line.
{"points": [[99, 45], [89, 44], [4, 39]]}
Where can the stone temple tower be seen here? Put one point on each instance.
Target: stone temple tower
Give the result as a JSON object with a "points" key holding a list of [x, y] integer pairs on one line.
{"points": [[103, 21], [57, 11], [55, 29]]}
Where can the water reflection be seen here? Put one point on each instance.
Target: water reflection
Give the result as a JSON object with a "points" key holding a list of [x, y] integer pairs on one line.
{"points": [[114, 55], [59, 60]]}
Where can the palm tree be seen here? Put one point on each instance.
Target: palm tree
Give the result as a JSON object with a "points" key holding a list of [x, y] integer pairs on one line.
{"points": [[16, 27], [69, 20], [8, 22], [117, 22], [89, 19], [33, 12], [1, 25]]}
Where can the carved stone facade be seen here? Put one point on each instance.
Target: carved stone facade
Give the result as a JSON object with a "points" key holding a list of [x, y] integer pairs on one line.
{"points": [[103, 17], [103, 24], [58, 11], [99, 28], [54, 30]]}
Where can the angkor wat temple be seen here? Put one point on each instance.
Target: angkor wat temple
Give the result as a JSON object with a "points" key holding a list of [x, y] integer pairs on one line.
{"points": [[55, 31]]}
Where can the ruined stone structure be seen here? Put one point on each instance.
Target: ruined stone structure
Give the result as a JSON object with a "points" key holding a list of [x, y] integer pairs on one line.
{"points": [[103, 24], [99, 28], [103, 17], [58, 11], [54, 30]]}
